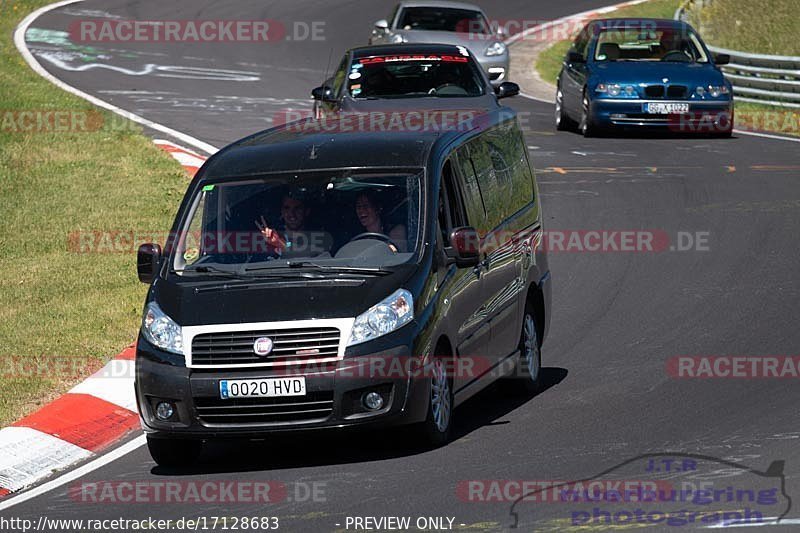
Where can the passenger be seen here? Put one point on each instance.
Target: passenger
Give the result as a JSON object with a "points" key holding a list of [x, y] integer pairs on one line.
{"points": [[369, 210], [296, 240]]}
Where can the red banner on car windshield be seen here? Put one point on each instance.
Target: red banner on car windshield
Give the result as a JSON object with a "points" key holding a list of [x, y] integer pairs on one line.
{"points": [[415, 57]]}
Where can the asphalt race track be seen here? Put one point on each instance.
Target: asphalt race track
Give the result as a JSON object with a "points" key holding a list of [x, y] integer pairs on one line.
{"points": [[617, 316]]}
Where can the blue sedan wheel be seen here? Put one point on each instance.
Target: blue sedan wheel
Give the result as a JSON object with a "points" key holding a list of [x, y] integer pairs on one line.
{"points": [[586, 125], [562, 120]]}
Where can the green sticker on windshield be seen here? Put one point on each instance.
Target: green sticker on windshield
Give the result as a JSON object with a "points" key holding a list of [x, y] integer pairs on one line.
{"points": [[191, 255], [208, 188]]}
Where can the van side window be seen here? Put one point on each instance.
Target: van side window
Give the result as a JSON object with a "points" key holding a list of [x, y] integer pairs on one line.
{"points": [[452, 198], [483, 162], [473, 198], [451, 211], [514, 179]]}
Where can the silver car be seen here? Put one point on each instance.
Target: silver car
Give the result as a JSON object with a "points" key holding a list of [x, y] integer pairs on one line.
{"points": [[447, 23]]}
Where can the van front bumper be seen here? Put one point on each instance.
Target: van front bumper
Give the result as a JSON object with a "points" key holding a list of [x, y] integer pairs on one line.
{"points": [[333, 398]]}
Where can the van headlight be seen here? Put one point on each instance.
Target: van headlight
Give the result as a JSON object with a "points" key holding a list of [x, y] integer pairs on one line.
{"points": [[495, 49], [161, 330], [391, 314]]}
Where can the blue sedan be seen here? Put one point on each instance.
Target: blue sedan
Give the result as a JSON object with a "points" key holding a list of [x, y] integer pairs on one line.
{"points": [[643, 73]]}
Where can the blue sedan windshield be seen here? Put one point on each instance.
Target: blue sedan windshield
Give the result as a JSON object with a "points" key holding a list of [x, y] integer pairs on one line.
{"points": [[649, 44]]}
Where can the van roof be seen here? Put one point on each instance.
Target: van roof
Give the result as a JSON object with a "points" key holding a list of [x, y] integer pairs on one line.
{"points": [[351, 141]]}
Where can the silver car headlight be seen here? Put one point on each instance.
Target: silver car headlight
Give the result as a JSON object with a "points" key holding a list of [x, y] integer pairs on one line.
{"points": [[495, 49], [392, 313], [161, 330], [397, 39]]}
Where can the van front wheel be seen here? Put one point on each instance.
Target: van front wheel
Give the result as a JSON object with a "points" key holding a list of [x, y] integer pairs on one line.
{"points": [[437, 428], [174, 452]]}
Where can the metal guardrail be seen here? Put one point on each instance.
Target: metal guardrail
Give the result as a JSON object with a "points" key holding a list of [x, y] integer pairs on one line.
{"points": [[759, 78]]}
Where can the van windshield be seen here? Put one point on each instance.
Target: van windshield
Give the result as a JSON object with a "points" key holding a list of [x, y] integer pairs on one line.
{"points": [[314, 220]]}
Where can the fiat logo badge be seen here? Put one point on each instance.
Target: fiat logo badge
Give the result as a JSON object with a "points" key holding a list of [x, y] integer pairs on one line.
{"points": [[263, 346]]}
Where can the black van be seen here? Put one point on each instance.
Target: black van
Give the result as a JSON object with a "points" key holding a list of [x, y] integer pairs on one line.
{"points": [[322, 279]]}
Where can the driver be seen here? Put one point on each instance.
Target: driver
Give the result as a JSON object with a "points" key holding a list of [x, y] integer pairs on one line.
{"points": [[673, 42], [368, 212], [379, 82], [296, 240]]}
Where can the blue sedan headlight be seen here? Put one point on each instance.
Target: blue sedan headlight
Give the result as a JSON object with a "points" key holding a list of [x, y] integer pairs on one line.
{"points": [[715, 91], [616, 90]]}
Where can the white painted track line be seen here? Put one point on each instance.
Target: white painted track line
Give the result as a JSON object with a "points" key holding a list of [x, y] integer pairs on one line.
{"points": [[78, 473], [19, 41]]}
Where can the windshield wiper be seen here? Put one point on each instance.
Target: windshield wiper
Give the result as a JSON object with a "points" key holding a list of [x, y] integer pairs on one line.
{"points": [[240, 274], [210, 269], [377, 271]]}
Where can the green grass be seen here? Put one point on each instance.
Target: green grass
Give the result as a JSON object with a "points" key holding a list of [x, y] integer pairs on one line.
{"points": [[763, 26], [63, 313], [549, 63]]}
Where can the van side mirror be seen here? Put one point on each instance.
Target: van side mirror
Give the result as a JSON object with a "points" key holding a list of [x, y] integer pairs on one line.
{"points": [[147, 258], [722, 59], [382, 25], [323, 93], [575, 57], [506, 89], [465, 246]]}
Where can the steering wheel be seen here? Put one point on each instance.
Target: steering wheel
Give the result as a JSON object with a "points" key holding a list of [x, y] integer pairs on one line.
{"points": [[379, 236], [677, 55], [446, 85]]}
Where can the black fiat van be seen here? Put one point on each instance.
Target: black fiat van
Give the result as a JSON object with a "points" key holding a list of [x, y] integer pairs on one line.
{"points": [[321, 279]]}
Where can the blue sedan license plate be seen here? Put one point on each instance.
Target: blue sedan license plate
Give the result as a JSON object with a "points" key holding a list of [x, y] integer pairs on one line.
{"points": [[664, 108]]}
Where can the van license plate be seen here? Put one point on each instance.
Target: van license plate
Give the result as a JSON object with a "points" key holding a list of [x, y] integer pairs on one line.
{"points": [[661, 108], [258, 388]]}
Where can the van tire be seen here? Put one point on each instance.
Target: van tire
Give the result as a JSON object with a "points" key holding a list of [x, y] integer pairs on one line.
{"points": [[174, 452], [528, 374], [437, 429]]}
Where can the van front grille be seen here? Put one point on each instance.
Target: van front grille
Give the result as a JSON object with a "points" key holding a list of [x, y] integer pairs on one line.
{"points": [[313, 406], [289, 345]]}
